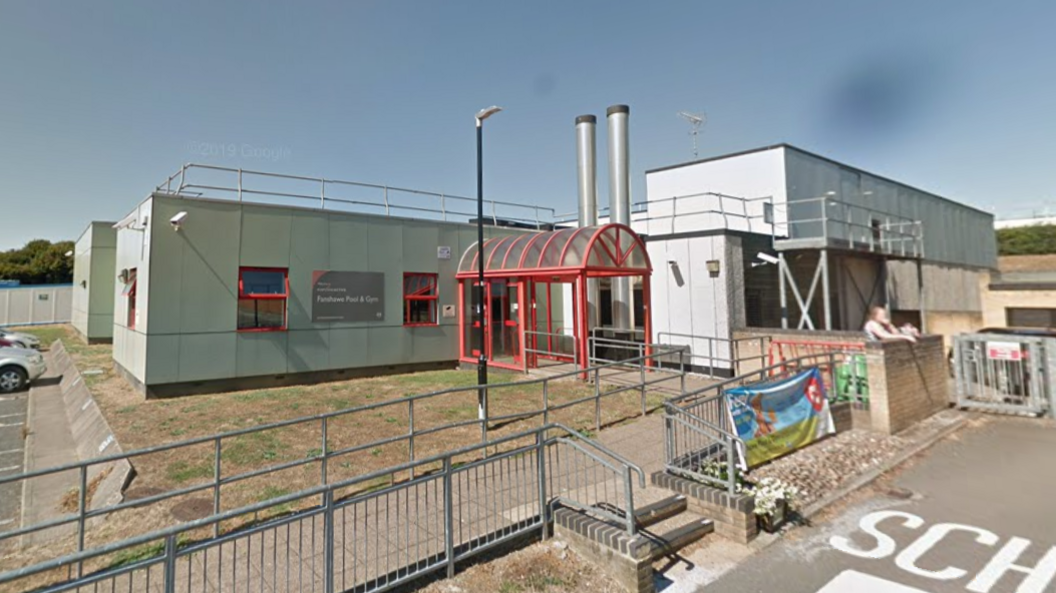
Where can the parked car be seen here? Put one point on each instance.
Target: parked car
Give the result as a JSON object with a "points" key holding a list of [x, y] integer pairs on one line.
{"points": [[19, 339], [19, 367]]}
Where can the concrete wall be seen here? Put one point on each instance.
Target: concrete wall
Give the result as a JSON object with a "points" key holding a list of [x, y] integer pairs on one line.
{"points": [[93, 282], [35, 305], [188, 290]]}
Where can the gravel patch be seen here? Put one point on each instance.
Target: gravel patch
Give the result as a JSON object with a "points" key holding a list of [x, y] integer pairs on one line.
{"points": [[829, 464]]}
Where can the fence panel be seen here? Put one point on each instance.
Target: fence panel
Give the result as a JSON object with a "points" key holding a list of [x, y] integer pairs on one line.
{"points": [[1010, 374], [361, 535]]}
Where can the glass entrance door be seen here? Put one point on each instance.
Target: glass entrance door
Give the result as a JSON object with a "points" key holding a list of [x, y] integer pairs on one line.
{"points": [[504, 327]]}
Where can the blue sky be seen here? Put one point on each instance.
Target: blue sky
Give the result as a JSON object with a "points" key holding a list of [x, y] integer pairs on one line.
{"points": [[102, 100]]}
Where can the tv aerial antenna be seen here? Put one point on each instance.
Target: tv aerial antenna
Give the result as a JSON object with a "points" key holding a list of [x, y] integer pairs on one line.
{"points": [[696, 120]]}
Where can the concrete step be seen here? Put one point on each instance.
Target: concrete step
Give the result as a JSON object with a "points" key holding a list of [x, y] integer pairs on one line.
{"points": [[658, 511], [671, 535]]}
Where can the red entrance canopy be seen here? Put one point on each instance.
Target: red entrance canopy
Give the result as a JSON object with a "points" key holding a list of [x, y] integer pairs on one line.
{"points": [[607, 250]]}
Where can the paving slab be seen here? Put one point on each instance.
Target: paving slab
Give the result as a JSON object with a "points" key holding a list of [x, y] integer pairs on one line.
{"points": [[49, 443]]}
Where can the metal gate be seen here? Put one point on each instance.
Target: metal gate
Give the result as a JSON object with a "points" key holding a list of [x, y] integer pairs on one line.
{"points": [[1005, 373]]}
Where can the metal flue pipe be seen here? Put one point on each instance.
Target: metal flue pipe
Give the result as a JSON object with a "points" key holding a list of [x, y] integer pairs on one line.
{"points": [[587, 168], [620, 206]]}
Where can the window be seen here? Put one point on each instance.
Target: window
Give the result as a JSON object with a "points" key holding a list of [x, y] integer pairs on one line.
{"points": [[262, 294], [1026, 317], [129, 294], [419, 299]]}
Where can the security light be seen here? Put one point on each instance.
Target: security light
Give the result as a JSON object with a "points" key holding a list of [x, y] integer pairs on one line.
{"points": [[177, 221], [766, 257]]}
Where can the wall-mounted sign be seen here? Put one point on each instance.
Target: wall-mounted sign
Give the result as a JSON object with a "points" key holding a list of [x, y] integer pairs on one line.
{"points": [[43, 297], [348, 296], [9, 283], [443, 252], [1004, 351]]}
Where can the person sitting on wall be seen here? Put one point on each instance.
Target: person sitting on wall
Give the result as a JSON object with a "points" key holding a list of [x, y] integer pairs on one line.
{"points": [[879, 327]]}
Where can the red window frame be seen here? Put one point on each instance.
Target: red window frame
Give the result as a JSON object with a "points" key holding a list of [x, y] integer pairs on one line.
{"points": [[428, 293], [130, 298], [243, 294]]}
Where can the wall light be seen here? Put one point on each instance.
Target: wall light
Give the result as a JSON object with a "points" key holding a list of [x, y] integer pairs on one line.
{"points": [[713, 266]]}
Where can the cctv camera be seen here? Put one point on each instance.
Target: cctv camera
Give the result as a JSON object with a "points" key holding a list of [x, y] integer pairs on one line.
{"points": [[766, 257], [177, 221]]}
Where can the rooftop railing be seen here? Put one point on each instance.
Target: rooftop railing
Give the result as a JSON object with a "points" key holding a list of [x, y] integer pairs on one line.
{"points": [[195, 180]]}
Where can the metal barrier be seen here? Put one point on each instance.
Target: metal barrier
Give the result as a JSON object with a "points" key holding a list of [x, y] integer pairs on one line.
{"points": [[367, 540], [698, 427], [827, 218], [1010, 374], [722, 354], [851, 376], [198, 180], [323, 457], [554, 345]]}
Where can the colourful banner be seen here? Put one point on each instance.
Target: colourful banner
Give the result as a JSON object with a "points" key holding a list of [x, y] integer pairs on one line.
{"points": [[778, 417]]}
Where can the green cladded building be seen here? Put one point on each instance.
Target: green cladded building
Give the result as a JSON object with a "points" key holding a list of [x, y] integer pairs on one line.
{"points": [[224, 293], [93, 283]]}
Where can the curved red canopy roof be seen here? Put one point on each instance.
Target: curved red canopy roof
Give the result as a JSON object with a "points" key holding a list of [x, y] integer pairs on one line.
{"points": [[607, 250]]}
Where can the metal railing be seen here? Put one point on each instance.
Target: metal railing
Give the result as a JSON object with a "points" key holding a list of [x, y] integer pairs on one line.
{"points": [[851, 376], [704, 210], [698, 427], [322, 457], [859, 226], [367, 540], [555, 345], [199, 180], [719, 354]]}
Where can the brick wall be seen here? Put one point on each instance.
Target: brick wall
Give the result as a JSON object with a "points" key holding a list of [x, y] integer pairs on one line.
{"points": [[907, 382], [733, 514]]}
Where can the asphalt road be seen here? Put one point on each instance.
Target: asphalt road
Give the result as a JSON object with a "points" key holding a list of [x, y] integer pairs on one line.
{"points": [[981, 518], [12, 456]]}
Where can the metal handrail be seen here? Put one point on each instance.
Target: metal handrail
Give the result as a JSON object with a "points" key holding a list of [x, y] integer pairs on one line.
{"points": [[734, 361], [892, 227], [551, 350], [538, 216], [767, 372], [622, 474], [720, 438], [326, 453], [678, 411], [170, 534]]}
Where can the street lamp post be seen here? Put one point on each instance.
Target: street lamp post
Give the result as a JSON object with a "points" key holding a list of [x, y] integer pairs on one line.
{"points": [[482, 360]]}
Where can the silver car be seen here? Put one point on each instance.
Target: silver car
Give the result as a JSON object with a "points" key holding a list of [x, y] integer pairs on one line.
{"points": [[19, 367], [20, 339]]}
